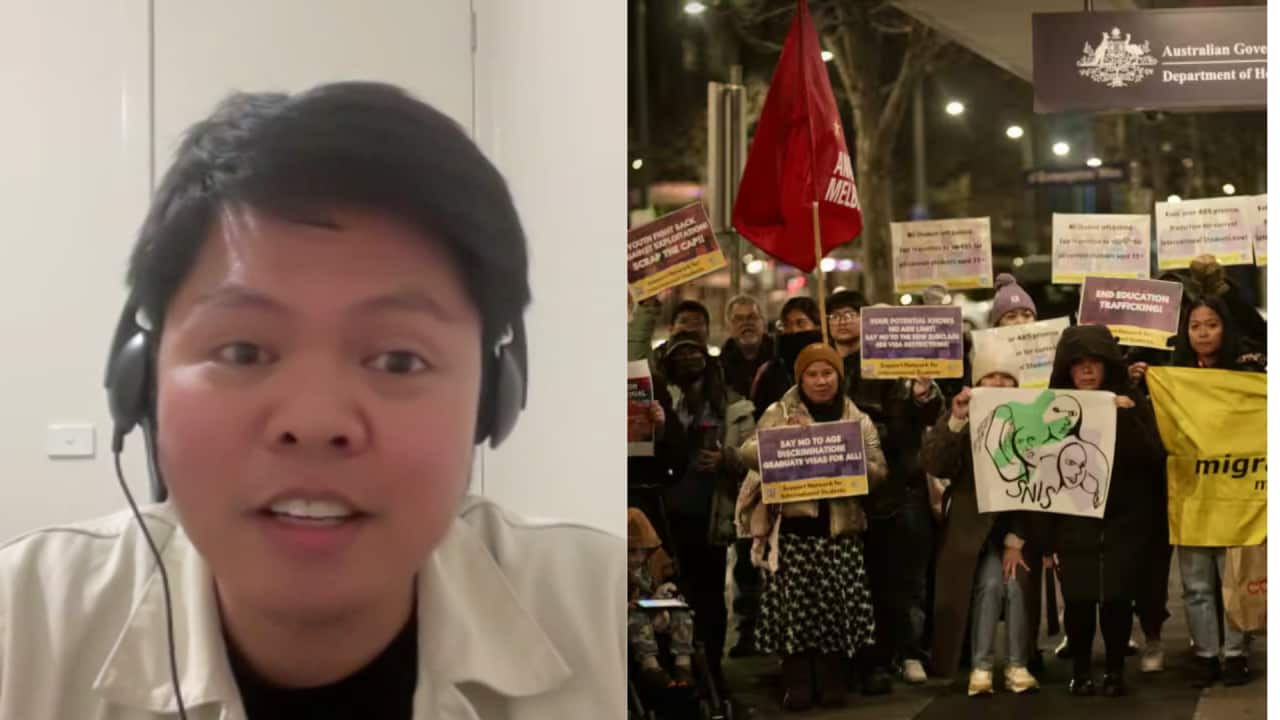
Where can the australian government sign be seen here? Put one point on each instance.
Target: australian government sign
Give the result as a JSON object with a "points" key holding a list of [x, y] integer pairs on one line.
{"points": [[1156, 59]]}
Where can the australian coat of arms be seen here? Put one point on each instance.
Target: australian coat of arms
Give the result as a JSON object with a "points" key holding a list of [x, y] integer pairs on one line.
{"points": [[1116, 61]]}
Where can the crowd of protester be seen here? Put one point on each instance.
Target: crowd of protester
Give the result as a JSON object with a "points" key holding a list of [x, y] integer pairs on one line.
{"points": [[910, 580]]}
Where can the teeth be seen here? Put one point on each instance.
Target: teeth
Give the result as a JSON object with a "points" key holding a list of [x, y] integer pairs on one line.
{"points": [[312, 509]]}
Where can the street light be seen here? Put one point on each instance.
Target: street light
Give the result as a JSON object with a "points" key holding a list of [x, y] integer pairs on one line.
{"points": [[905, 299], [637, 164], [694, 8], [955, 107], [1060, 148], [1228, 189], [755, 267], [1013, 132], [827, 55], [1093, 162], [828, 264], [1173, 199]]}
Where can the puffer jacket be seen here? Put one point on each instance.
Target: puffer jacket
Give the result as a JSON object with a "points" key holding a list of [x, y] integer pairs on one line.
{"points": [[762, 522]]}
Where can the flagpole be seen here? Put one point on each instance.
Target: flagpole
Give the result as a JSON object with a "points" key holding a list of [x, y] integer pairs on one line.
{"points": [[802, 6], [822, 277]]}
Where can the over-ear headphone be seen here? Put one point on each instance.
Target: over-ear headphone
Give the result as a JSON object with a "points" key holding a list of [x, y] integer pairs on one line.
{"points": [[130, 383]]}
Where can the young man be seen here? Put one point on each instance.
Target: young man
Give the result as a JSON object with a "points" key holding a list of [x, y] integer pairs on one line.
{"points": [[899, 538], [324, 279]]}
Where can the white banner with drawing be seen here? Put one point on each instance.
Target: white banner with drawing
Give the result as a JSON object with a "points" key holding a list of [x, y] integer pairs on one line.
{"points": [[1042, 450]]}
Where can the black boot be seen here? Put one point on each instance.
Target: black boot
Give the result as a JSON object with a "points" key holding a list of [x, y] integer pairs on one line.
{"points": [[797, 682], [746, 645], [877, 681], [832, 691], [1081, 686], [1205, 672], [1235, 671], [1113, 685]]}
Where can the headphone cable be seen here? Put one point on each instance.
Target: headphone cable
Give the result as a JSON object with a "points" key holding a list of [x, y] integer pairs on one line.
{"points": [[164, 581]]}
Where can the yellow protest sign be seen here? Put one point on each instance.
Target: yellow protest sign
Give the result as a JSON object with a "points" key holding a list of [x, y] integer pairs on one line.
{"points": [[1214, 425]]}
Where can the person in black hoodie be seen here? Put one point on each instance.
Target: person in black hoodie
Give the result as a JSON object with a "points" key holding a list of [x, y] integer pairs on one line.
{"points": [[801, 327], [1099, 560]]}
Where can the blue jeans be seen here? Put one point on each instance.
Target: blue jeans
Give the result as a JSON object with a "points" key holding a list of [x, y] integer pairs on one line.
{"points": [[1202, 569], [990, 593]]}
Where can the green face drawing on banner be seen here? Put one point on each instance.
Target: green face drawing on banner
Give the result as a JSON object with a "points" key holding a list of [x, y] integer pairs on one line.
{"points": [[1016, 429]]}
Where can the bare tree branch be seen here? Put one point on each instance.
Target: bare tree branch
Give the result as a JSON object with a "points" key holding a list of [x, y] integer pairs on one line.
{"points": [[924, 44]]}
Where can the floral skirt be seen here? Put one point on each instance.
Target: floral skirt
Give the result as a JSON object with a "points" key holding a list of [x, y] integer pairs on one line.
{"points": [[818, 601]]}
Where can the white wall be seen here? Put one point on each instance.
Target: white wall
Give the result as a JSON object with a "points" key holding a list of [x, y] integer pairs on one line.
{"points": [[76, 136], [551, 102], [74, 140]]}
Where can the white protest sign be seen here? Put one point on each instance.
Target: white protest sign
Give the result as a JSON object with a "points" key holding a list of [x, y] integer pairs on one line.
{"points": [[1215, 226], [953, 253], [1033, 345], [1116, 246], [1259, 206], [1042, 450]]}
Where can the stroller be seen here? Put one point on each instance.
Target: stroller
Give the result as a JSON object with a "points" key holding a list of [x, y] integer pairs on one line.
{"points": [[702, 699]]}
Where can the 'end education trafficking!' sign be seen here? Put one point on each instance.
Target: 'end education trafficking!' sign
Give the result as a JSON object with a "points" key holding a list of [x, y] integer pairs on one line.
{"points": [[1140, 313], [812, 462], [908, 342], [671, 251]]}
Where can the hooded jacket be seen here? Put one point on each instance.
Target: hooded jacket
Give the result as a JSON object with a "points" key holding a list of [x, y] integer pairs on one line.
{"points": [[1101, 558]]}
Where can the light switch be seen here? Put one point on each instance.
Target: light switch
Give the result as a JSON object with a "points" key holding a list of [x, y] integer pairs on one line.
{"points": [[70, 441]]}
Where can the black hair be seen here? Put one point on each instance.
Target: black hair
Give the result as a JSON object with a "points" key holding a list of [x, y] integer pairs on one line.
{"points": [[363, 145], [691, 306], [805, 305], [851, 299], [1184, 356]]}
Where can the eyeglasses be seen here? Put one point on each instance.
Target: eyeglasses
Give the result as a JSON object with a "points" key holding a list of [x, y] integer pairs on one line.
{"points": [[842, 316]]}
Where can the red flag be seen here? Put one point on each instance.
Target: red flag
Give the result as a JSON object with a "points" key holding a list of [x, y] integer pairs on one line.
{"points": [[798, 156]]}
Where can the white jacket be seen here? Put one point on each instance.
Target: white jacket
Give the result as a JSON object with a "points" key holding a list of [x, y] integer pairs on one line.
{"points": [[515, 621]]}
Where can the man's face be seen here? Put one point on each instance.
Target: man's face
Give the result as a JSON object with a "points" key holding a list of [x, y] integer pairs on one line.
{"points": [[746, 324], [690, 321], [845, 327], [311, 363]]}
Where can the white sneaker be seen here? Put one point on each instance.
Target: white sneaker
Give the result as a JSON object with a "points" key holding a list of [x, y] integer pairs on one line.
{"points": [[1152, 658], [913, 672], [1017, 679], [980, 683]]}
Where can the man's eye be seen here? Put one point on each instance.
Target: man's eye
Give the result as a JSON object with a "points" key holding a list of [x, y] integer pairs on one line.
{"points": [[399, 362], [242, 353]]}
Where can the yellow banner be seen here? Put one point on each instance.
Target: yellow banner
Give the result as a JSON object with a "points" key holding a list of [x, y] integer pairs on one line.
{"points": [[963, 282], [1232, 258], [1078, 278], [911, 368], [645, 288], [1214, 425], [814, 489], [1140, 337]]}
